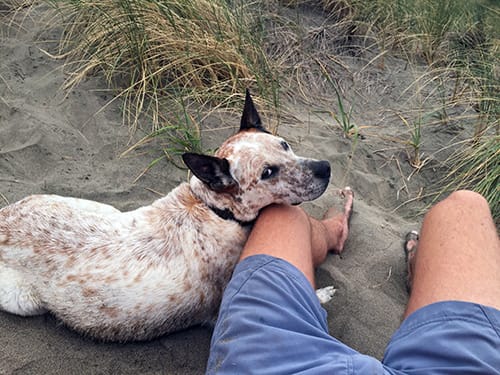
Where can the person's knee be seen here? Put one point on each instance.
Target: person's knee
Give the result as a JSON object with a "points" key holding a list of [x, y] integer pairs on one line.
{"points": [[461, 200], [466, 198], [285, 214]]}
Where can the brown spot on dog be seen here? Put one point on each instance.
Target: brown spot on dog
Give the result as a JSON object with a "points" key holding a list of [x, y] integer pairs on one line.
{"points": [[189, 201], [70, 262], [226, 149], [138, 278], [204, 275], [187, 285], [89, 292], [110, 279], [111, 312], [3, 239], [105, 254]]}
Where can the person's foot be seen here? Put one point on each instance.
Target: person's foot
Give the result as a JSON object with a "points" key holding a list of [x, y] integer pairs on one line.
{"points": [[410, 249], [339, 222]]}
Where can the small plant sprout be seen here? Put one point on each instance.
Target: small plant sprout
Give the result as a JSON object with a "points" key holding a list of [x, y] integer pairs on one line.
{"points": [[414, 141], [344, 118]]}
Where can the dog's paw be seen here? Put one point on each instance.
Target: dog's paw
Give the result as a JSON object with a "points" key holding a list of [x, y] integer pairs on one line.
{"points": [[325, 294], [17, 295]]}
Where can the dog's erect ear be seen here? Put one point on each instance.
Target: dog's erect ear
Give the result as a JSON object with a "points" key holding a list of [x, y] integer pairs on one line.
{"points": [[213, 171], [250, 118]]}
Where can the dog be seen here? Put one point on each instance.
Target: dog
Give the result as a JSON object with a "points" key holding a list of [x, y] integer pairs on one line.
{"points": [[128, 276]]}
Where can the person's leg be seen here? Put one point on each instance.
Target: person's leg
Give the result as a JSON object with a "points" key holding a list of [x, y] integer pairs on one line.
{"points": [[458, 255], [452, 321], [270, 319], [288, 233]]}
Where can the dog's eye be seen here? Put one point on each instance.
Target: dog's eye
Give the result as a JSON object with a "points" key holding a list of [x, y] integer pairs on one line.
{"points": [[269, 172], [285, 145]]}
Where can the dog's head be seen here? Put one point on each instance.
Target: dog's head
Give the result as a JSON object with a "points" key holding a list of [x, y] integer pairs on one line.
{"points": [[254, 169]]}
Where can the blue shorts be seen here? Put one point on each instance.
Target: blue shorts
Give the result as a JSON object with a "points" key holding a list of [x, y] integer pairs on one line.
{"points": [[271, 322]]}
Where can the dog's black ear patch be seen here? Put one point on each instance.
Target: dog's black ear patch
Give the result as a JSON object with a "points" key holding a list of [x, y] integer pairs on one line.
{"points": [[211, 170], [250, 118]]}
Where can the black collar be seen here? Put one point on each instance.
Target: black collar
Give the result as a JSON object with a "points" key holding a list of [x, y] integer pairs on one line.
{"points": [[226, 214]]}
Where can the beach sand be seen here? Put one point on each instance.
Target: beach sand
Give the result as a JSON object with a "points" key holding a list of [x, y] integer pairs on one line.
{"points": [[56, 142]]}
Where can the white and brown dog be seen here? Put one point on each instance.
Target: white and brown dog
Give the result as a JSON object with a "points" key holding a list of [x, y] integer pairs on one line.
{"points": [[136, 275]]}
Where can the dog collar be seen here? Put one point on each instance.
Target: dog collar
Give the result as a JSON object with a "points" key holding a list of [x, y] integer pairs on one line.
{"points": [[226, 214]]}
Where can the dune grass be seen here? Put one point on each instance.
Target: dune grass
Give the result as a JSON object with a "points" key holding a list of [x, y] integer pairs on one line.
{"points": [[459, 40], [150, 52], [478, 165], [170, 59]]}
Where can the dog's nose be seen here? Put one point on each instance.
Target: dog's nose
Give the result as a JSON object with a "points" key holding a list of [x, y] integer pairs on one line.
{"points": [[321, 169]]}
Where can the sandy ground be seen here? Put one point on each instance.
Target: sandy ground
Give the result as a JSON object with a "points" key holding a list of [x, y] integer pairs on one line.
{"points": [[50, 143]]}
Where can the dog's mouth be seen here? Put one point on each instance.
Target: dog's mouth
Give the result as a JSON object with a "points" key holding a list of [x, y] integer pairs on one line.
{"points": [[318, 187]]}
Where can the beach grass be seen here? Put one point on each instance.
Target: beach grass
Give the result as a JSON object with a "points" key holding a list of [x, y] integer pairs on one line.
{"points": [[153, 52], [477, 164], [459, 41], [203, 53]]}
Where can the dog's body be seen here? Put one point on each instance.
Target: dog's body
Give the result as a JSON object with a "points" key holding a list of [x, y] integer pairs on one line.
{"points": [[140, 274], [112, 275]]}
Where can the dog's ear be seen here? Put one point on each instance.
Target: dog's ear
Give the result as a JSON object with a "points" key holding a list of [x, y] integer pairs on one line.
{"points": [[211, 170], [250, 118]]}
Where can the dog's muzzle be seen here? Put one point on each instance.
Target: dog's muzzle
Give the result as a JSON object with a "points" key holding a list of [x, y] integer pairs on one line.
{"points": [[316, 179]]}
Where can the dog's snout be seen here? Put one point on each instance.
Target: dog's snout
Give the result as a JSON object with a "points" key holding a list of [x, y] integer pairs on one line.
{"points": [[321, 169]]}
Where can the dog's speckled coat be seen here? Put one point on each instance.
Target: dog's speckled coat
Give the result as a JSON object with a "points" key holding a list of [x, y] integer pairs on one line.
{"points": [[140, 274]]}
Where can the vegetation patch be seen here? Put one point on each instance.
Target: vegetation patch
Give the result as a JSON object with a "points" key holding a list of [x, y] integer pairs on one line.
{"points": [[153, 52], [175, 62]]}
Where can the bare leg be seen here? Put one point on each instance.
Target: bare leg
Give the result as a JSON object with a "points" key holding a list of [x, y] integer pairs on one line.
{"points": [[288, 233], [458, 255]]}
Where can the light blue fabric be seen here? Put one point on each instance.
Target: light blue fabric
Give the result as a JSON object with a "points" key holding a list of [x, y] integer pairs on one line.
{"points": [[271, 322], [449, 337]]}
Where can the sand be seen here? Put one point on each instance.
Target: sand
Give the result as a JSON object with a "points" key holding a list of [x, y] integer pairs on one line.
{"points": [[64, 143]]}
